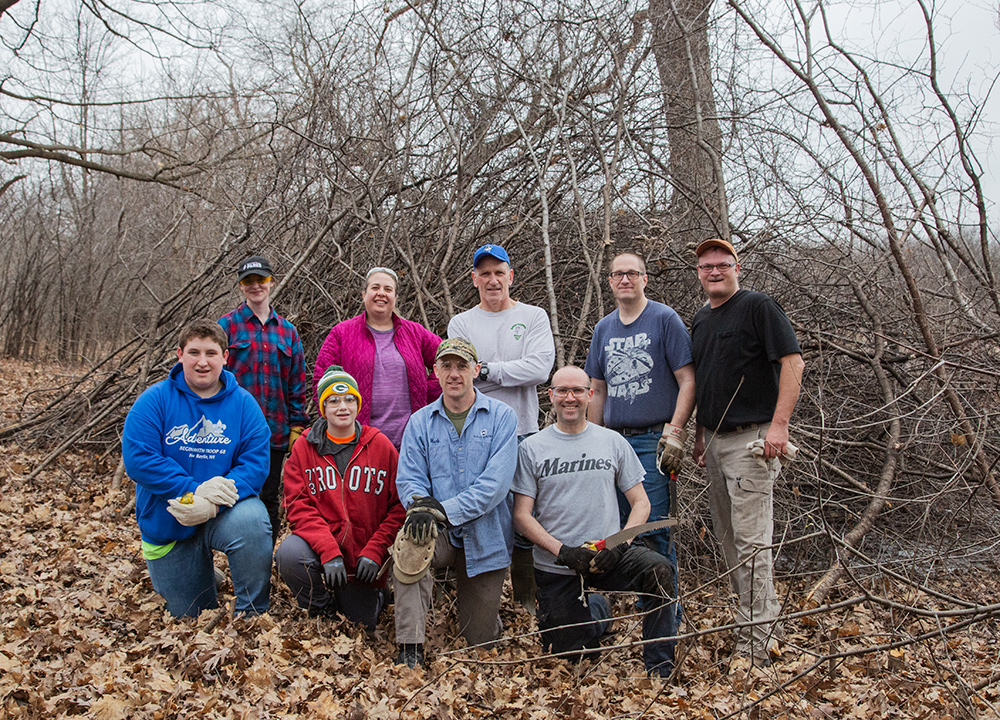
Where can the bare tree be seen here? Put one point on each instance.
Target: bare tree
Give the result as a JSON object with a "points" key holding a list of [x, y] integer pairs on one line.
{"points": [[565, 131]]}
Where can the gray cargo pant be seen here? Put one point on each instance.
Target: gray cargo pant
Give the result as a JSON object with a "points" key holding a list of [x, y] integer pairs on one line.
{"points": [[741, 501]]}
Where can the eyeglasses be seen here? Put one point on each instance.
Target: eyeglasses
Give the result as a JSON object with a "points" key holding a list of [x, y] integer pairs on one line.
{"points": [[254, 280], [632, 275], [721, 267], [338, 399], [577, 392]]}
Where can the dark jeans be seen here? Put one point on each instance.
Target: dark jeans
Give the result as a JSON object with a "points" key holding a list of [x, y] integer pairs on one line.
{"points": [[657, 489], [640, 570], [300, 568], [270, 494]]}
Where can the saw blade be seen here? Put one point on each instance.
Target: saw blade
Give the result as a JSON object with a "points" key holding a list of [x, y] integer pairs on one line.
{"points": [[623, 536]]}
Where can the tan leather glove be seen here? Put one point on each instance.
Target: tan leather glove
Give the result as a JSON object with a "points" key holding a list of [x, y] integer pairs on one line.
{"points": [[219, 490], [756, 449], [293, 435], [196, 513], [670, 449]]}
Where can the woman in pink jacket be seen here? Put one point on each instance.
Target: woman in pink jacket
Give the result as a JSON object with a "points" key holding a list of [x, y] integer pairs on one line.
{"points": [[391, 358]]}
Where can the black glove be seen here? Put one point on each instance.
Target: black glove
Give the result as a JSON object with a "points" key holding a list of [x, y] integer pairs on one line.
{"points": [[366, 572], [606, 559], [335, 573], [430, 504], [576, 558], [423, 517], [421, 526]]}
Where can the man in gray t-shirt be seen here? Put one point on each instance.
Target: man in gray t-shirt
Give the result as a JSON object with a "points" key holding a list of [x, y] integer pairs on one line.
{"points": [[514, 340], [516, 350], [565, 496]]}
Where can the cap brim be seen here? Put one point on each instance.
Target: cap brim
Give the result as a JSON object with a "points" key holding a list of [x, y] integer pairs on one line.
{"points": [[715, 244], [452, 353], [501, 258]]}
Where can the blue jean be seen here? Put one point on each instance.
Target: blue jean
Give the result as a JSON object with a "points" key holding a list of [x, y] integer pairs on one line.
{"points": [[300, 567], [568, 625], [185, 577], [657, 488]]}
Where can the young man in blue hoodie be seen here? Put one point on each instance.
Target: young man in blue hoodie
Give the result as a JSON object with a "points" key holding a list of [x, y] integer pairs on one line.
{"points": [[197, 447]]}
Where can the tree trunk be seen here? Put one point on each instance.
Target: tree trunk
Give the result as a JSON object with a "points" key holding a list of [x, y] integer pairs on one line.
{"points": [[698, 207]]}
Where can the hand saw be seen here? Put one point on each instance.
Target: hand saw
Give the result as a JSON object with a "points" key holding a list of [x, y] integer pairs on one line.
{"points": [[623, 536]]}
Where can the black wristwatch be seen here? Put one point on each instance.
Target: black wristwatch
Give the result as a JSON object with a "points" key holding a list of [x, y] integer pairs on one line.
{"points": [[484, 371]]}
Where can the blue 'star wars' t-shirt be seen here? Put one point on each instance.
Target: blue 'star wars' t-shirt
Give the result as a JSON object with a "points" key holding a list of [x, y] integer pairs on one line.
{"points": [[637, 361]]}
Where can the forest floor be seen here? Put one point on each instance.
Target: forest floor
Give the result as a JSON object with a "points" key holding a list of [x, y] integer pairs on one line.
{"points": [[83, 633]]}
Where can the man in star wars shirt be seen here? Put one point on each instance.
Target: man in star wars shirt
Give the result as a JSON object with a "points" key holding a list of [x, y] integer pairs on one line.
{"points": [[640, 368]]}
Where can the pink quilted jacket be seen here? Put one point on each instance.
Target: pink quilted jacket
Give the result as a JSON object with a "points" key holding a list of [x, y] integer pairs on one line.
{"points": [[351, 345]]}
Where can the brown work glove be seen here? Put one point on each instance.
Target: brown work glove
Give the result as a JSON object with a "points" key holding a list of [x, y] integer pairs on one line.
{"points": [[670, 449]]}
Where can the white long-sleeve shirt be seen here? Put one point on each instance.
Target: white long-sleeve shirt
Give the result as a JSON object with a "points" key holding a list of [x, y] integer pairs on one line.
{"points": [[517, 346]]}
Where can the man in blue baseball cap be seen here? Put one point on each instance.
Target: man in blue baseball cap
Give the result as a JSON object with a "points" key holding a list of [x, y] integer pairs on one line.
{"points": [[516, 354]]}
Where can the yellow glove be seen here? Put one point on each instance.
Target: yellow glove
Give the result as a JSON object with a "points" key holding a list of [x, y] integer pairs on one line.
{"points": [[293, 435]]}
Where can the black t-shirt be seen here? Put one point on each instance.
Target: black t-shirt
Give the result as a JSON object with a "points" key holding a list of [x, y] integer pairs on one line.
{"points": [[742, 339]]}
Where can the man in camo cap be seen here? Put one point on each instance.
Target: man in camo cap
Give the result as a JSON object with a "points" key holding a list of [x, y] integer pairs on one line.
{"points": [[456, 465]]}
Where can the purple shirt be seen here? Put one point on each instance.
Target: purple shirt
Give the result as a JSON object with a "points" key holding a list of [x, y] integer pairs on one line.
{"points": [[351, 345], [390, 389]]}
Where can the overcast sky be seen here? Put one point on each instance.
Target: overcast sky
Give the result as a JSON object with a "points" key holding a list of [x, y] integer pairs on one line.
{"points": [[967, 34]]}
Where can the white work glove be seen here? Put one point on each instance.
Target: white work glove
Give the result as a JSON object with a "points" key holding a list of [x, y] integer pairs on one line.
{"points": [[219, 490], [756, 449], [670, 449], [195, 513]]}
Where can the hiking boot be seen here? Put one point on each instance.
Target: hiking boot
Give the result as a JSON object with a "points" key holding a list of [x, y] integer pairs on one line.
{"points": [[760, 657], [410, 654], [663, 670]]}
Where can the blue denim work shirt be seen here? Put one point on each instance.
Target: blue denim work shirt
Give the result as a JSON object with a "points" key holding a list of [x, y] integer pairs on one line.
{"points": [[469, 474]]}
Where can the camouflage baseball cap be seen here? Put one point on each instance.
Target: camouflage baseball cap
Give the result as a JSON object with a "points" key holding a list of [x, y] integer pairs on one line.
{"points": [[457, 346]]}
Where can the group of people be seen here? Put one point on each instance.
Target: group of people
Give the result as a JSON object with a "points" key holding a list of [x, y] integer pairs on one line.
{"points": [[427, 454]]}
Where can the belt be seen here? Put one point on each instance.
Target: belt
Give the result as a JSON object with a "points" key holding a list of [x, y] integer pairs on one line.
{"points": [[741, 429], [632, 431]]}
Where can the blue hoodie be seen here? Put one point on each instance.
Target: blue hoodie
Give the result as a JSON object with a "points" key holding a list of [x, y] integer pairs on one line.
{"points": [[174, 440]]}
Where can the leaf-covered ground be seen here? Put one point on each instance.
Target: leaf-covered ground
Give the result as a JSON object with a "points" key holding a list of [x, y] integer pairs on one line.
{"points": [[83, 633]]}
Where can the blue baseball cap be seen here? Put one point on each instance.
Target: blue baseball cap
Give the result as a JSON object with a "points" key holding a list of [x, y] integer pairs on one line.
{"points": [[494, 251]]}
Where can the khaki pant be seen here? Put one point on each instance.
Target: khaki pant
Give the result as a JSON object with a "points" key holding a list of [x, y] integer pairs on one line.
{"points": [[478, 599], [741, 501]]}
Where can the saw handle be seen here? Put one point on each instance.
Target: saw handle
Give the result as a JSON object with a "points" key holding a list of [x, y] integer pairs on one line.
{"points": [[595, 545]]}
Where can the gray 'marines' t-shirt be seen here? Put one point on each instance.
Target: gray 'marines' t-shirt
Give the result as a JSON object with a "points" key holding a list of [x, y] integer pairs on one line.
{"points": [[638, 361], [572, 479]]}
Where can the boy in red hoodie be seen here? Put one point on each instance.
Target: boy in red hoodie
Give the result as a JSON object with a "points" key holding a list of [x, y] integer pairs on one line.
{"points": [[342, 507]]}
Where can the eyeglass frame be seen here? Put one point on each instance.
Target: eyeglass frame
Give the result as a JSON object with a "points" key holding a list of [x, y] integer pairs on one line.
{"points": [[346, 399], [619, 275], [248, 280], [721, 267], [562, 391]]}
